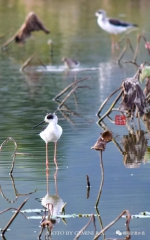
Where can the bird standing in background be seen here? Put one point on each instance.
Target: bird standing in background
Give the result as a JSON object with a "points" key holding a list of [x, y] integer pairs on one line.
{"points": [[112, 26], [51, 133], [70, 63]]}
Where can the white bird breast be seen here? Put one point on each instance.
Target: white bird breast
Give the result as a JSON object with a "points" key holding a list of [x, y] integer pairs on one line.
{"points": [[51, 133]]}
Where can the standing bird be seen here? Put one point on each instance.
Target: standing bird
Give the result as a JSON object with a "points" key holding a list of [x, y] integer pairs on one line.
{"points": [[112, 26], [70, 63], [51, 133]]}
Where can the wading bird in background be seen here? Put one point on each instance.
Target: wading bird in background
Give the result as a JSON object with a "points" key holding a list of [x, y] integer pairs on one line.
{"points": [[112, 26], [70, 63], [51, 133]]}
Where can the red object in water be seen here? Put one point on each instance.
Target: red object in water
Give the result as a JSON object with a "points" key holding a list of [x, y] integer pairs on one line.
{"points": [[120, 120]]}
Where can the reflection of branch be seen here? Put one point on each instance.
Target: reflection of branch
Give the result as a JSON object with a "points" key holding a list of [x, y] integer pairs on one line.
{"points": [[12, 209], [102, 180], [13, 217], [15, 191], [65, 110], [113, 222], [92, 218], [100, 221]]}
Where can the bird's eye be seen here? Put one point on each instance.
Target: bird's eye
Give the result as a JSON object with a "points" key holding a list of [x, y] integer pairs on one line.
{"points": [[50, 116]]}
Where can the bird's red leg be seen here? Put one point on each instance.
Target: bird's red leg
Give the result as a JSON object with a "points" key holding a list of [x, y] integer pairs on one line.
{"points": [[112, 42], [55, 161], [116, 42], [47, 156], [55, 179]]}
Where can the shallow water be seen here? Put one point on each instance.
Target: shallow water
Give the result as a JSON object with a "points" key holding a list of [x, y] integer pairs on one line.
{"points": [[26, 95]]}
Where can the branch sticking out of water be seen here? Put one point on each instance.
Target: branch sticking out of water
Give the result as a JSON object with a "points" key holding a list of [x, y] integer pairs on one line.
{"points": [[9, 139], [88, 181], [106, 100], [13, 217], [29, 60], [69, 86], [102, 180], [128, 216], [124, 49], [100, 145], [92, 218], [13, 209], [14, 153]]}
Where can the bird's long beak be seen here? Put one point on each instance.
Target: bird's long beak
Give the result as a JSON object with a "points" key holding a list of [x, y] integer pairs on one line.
{"points": [[39, 124]]}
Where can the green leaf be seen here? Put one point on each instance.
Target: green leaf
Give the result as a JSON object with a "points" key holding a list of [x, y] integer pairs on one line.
{"points": [[145, 73]]}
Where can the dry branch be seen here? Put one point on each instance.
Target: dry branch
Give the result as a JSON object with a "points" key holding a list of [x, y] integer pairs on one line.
{"points": [[113, 222], [92, 218], [102, 180], [68, 95], [27, 62], [13, 217], [111, 107], [9, 139], [106, 100], [69, 86], [137, 47], [124, 50]]}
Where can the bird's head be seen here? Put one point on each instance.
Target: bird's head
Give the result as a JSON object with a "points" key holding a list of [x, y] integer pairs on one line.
{"points": [[64, 59], [50, 117], [100, 13]]}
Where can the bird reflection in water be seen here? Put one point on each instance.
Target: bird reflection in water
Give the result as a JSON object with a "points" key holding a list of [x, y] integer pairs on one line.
{"points": [[53, 204]]}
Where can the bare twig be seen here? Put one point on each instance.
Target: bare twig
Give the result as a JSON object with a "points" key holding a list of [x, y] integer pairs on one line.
{"points": [[102, 179], [106, 100], [132, 63], [111, 107], [113, 222], [124, 49], [15, 191], [14, 153], [9, 139], [12, 209], [81, 231], [13, 217], [127, 33], [27, 62], [68, 95], [137, 47], [88, 181], [69, 86]]}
